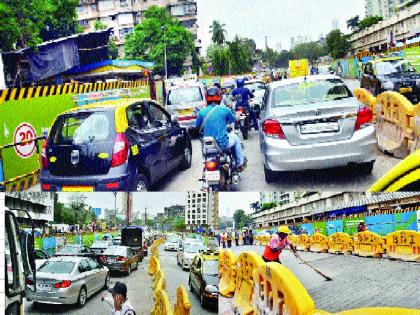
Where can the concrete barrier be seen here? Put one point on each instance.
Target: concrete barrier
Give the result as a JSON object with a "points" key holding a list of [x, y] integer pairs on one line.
{"points": [[404, 245], [246, 263], [182, 305], [319, 243], [340, 243], [368, 244], [227, 273]]}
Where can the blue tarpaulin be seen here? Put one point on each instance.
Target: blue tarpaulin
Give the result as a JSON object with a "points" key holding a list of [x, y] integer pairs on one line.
{"points": [[116, 63], [347, 211]]}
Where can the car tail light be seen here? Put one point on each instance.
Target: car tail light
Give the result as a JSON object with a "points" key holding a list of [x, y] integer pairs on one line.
{"points": [[112, 185], [210, 165], [46, 187], [44, 159], [190, 117], [63, 284], [121, 258], [102, 258], [120, 151], [272, 128], [364, 117], [240, 110], [29, 281]]}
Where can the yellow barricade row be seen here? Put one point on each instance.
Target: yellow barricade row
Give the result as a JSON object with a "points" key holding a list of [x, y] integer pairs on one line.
{"points": [[293, 239], [159, 276], [154, 265], [319, 243], [404, 245], [162, 305], [340, 243], [372, 311], [227, 273], [278, 291], [246, 263], [182, 305], [368, 244], [303, 242]]}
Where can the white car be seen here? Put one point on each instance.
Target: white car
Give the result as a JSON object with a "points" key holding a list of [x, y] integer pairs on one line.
{"points": [[187, 252], [171, 244]]}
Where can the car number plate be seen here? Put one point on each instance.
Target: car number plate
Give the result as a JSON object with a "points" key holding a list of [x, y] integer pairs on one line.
{"points": [[77, 188], [185, 112], [406, 90], [44, 286], [213, 176], [317, 128]]}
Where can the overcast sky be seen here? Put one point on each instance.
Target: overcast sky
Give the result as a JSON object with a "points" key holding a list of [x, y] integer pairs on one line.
{"points": [[279, 20], [231, 201]]}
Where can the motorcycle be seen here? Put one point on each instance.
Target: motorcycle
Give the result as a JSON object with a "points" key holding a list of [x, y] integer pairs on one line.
{"points": [[219, 171], [244, 123]]}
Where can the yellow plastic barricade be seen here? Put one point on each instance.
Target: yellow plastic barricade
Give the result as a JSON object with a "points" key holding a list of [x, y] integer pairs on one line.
{"points": [[319, 243], [415, 144], [404, 245], [365, 97], [303, 242], [227, 273], [266, 239], [246, 263], [278, 291], [159, 275], [154, 265], [162, 305], [292, 239], [372, 311], [183, 305], [341, 243], [368, 244], [395, 123]]}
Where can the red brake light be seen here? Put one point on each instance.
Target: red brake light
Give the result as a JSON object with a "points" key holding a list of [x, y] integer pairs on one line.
{"points": [[210, 165], [46, 187], [121, 258], [62, 284], [112, 185], [364, 116], [272, 128], [44, 159], [240, 110], [120, 151], [29, 281]]}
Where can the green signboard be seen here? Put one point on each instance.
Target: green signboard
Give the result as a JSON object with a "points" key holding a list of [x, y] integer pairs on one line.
{"points": [[350, 225], [320, 226], [413, 55]]}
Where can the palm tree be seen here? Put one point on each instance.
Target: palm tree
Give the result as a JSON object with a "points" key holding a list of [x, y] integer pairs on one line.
{"points": [[353, 23], [255, 206], [218, 32]]}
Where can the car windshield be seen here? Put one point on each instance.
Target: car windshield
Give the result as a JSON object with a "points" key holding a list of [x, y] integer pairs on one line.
{"points": [[99, 245], [210, 267], [394, 66], [310, 92], [83, 128], [185, 95], [193, 248], [255, 86], [115, 250], [69, 249], [57, 267]]}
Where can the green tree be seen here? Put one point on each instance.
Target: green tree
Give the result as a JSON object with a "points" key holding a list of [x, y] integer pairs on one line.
{"points": [[218, 32], [149, 38], [98, 25], [311, 51], [337, 44], [369, 21], [240, 56], [241, 219], [179, 223], [112, 47], [353, 23], [255, 206]]}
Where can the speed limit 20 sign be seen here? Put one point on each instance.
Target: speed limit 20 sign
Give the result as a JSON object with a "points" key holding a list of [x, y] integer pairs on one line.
{"points": [[24, 132]]}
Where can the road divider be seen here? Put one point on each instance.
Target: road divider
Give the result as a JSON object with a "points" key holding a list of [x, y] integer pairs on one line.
{"points": [[319, 243], [303, 242], [368, 244], [340, 243], [227, 273], [404, 245]]}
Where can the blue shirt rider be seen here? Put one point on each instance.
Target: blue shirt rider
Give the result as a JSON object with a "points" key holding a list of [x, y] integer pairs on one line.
{"points": [[215, 124], [243, 94]]}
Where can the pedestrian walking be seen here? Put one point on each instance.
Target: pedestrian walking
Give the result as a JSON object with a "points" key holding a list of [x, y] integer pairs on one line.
{"points": [[236, 238], [277, 243], [218, 238], [251, 238], [224, 240], [229, 239], [119, 302]]}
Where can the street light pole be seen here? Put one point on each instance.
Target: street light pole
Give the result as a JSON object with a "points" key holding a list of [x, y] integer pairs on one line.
{"points": [[164, 43], [115, 205]]}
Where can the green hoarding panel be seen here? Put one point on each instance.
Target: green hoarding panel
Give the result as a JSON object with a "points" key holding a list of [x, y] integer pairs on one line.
{"points": [[350, 225], [321, 226]]}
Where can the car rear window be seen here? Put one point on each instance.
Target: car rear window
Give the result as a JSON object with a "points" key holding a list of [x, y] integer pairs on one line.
{"points": [[115, 250], [185, 95], [57, 267], [210, 267], [310, 92], [83, 127]]}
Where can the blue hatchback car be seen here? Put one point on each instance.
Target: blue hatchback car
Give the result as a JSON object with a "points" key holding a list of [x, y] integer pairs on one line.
{"points": [[126, 144]]}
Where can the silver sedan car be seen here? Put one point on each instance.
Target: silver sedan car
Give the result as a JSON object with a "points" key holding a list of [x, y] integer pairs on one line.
{"points": [[314, 122], [67, 280]]}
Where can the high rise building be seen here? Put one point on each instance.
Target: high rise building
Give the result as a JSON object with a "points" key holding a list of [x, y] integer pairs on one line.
{"points": [[277, 197], [174, 210], [385, 8], [123, 15], [335, 25], [202, 210]]}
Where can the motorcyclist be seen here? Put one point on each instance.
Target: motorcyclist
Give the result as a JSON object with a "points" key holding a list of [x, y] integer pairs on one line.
{"points": [[212, 121], [243, 95]]}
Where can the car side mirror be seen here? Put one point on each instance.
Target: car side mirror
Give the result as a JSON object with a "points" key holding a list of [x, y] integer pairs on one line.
{"points": [[174, 119]]}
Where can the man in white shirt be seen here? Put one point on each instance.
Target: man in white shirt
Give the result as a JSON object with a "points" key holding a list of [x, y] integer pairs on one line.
{"points": [[119, 301]]}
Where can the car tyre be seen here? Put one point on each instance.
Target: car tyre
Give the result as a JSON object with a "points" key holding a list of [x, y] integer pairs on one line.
{"points": [[129, 270], [269, 175], [81, 300], [191, 287], [137, 265], [186, 158], [107, 279], [202, 300], [140, 183], [366, 168]]}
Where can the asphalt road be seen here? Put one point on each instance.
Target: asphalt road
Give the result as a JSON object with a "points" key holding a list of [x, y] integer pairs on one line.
{"points": [[357, 282], [342, 179]]}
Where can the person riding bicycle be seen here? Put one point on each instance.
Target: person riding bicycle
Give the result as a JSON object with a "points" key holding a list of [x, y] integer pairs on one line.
{"points": [[212, 121], [243, 94], [277, 243]]}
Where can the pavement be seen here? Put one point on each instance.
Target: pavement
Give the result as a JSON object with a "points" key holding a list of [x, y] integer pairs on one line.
{"points": [[357, 282]]}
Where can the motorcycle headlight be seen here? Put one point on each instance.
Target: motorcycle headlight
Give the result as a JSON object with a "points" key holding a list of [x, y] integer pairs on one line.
{"points": [[211, 288], [388, 85]]}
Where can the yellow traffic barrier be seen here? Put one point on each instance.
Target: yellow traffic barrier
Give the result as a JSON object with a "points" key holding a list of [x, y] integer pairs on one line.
{"points": [[404, 245], [293, 239], [278, 291], [303, 242], [154, 265], [372, 311], [162, 305], [182, 305], [319, 243], [366, 97], [395, 124], [246, 263], [159, 276], [227, 273], [266, 239], [415, 144], [368, 244], [340, 243]]}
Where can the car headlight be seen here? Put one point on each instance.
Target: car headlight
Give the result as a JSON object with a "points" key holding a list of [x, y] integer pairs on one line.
{"points": [[211, 289], [388, 85]]}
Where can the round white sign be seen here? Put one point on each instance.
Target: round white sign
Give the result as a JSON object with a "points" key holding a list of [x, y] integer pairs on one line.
{"points": [[24, 132]]}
